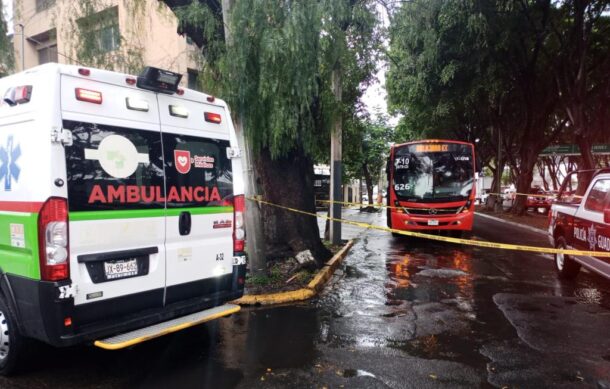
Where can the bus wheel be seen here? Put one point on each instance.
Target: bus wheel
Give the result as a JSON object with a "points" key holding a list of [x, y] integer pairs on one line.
{"points": [[565, 266], [11, 341]]}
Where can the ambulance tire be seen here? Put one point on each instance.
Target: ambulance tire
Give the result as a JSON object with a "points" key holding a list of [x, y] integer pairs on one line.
{"points": [[12, 343], [565, 266]]}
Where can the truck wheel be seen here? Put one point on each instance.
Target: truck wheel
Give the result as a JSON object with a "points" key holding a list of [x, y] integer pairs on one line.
{"points": [[11, 341], [565, 266]]}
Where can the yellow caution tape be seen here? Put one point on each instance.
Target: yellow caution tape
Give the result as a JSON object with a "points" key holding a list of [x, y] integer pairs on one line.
{"points": [[468, 242], [359, 204], [547, 196], [380, 205]]}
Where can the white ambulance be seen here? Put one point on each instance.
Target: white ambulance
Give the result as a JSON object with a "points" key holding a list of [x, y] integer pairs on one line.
{"points": [[121, 208]]}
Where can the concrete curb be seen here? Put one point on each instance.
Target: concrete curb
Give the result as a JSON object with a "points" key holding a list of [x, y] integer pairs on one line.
{"points": [[315, 286], [529, 228]]}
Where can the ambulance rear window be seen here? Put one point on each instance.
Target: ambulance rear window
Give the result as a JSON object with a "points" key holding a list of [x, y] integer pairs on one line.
{"points": [[114, 168], [198, 171]]}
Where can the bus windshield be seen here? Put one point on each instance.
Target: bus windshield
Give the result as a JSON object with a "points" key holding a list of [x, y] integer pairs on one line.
{"points": [[433, 172]]}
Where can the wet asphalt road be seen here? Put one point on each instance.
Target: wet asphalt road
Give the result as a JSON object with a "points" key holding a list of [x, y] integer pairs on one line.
{"points": [[400, 313]]}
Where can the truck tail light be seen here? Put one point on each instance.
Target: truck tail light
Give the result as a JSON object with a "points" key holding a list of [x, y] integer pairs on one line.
{"points": [[89, 96], [213, 117], [18, 95], [53, 240], [239, 228]]}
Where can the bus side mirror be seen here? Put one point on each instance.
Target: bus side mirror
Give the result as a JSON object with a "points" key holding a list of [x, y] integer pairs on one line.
{"points": [[607, 216]]}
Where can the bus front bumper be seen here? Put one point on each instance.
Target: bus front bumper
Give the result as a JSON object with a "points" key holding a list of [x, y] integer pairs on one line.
{"points": [[461, 221]]}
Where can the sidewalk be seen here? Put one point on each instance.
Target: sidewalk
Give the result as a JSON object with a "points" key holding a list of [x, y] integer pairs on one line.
{"points": [[530, 220]]}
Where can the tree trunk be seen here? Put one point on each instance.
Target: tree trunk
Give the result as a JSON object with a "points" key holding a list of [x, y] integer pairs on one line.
{"points": [[586, 153], [288, 181], [524, 181], [493, 199], [587, 162], [552, 168], [542, 172]]}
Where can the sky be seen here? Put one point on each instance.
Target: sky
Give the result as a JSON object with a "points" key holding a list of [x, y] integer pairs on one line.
{"points": [[375, 96], [8, 13]]}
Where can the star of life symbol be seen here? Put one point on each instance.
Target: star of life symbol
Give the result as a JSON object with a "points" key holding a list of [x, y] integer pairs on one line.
{"points": [[592, 237], [118, 156], [9, 169]]}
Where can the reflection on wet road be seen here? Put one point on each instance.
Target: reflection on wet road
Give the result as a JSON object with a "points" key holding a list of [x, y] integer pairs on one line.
{"points": [[399, 313]]}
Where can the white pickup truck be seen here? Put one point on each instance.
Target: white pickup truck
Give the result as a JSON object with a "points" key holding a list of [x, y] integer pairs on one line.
{"points": [[582, 222]]}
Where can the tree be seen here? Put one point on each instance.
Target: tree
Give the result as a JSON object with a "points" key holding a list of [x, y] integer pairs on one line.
{"points": [[479, 68], [7, 56], [582, 29], [276, 73], [367, 147]]}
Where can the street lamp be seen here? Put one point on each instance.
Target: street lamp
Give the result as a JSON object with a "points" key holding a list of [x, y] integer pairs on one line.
{"points": [[22, 46]]}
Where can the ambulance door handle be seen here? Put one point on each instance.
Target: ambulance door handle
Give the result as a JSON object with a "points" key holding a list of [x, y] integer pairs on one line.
{"points": [[184, 223]]}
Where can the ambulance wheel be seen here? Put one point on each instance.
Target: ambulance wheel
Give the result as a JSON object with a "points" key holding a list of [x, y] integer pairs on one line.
{"points": [[565, 266], [11, 341]]}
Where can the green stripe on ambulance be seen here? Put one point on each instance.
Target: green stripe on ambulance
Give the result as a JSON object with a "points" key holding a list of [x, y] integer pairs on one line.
{"points": [[19, 243]]}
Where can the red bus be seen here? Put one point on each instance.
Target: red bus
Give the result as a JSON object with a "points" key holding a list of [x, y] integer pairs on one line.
{"points": [[431, 186]]}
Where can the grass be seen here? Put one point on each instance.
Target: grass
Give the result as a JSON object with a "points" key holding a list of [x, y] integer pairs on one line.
{"points": [[275, 275]]}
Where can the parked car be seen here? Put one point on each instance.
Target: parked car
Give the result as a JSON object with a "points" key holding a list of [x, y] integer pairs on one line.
{"points": [[539, 199], [583, 224]]}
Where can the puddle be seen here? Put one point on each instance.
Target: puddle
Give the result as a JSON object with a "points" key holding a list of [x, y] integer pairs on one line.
{"points": [[588, 296], [442, 273], [350, 373]]}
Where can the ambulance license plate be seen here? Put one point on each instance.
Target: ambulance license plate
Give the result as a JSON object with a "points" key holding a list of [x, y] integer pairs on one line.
{"points": [[433, 222], [121, 269]]}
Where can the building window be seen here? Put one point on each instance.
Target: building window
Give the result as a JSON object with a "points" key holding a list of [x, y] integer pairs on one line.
{"points": [[42, 5], [109, 38], [45, 45], [193, 79], [102, 30], [47, 54]]}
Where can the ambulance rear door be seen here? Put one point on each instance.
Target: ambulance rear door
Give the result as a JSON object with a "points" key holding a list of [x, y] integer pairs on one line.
{"points": [[199, 187], [116, 198]]}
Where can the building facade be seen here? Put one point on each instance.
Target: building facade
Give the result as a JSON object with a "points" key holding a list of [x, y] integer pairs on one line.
{"points": [[121, 35]]}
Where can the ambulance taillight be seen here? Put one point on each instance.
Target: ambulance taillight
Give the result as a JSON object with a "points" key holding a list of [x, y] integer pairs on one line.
{"points": [[213, 117], [53, 240], [88, 96], [239, 228]]}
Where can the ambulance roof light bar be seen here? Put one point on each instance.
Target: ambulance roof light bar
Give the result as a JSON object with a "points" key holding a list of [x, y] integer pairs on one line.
{"points": [[158, 80]]}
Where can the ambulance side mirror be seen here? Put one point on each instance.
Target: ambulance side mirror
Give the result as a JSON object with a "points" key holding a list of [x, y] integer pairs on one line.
{"points": [[607, 216]]}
